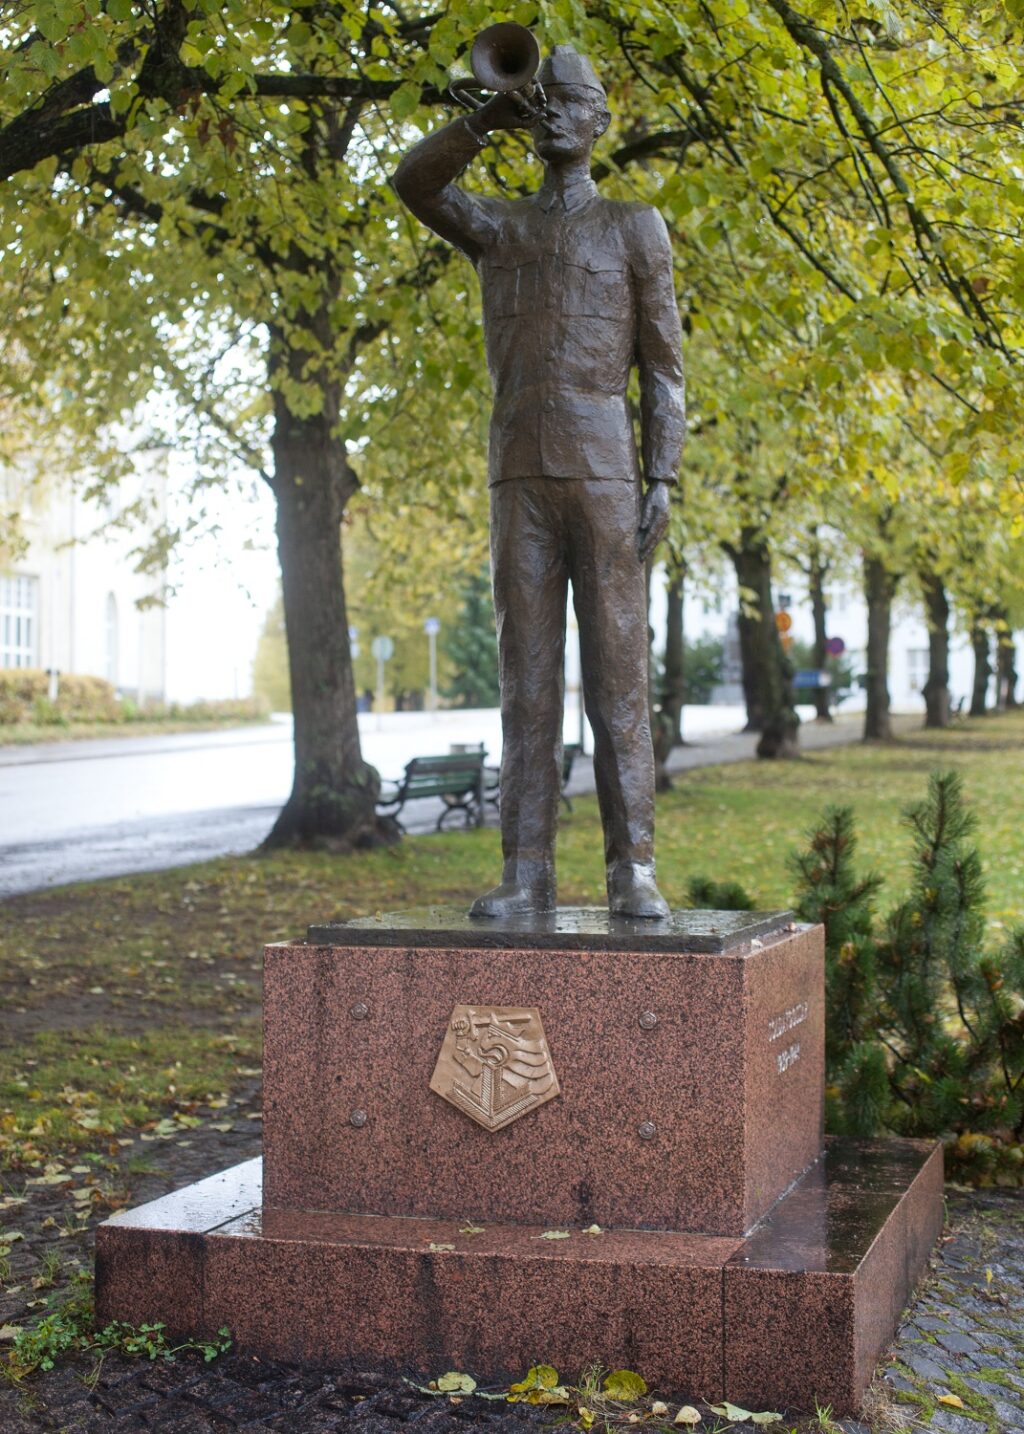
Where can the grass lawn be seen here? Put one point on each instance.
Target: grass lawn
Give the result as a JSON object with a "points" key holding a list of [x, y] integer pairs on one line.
{"points": [[130, 1002]]}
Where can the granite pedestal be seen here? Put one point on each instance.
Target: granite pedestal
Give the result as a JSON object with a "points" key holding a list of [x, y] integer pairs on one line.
{"points": [[440, 1095]]}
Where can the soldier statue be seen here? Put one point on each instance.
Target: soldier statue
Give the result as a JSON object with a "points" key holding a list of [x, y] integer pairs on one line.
{"points": [[576, 290]]}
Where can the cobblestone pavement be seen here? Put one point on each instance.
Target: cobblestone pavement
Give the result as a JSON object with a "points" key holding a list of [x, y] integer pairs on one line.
{"points": [[957, 1366]]}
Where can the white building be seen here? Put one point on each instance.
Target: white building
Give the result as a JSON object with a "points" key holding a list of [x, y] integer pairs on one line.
{"points": [[70, 602]]}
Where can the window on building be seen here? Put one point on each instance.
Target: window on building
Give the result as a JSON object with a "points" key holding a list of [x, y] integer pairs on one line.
{"points": [[112, 642], [917, 668], [19, 622]]}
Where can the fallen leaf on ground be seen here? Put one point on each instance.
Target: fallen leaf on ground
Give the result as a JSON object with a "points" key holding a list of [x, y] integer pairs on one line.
{"points": [[471, 1229], [953, 1400], [455, 1383], [554, 1235], [593, 1230], [731, 1411], [624, 1384], [688, 1416], [538, 1376], [659, 1408], [434, 1246]]}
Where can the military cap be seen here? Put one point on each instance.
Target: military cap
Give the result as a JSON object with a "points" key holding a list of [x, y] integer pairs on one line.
{"points": [[566, 66]]}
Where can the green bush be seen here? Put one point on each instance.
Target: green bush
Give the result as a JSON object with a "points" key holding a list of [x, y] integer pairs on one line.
{"points": [[925, 1023], [227, 709], [25, 698]]}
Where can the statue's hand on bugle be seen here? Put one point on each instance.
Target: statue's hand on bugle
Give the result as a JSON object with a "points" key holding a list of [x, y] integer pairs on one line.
{"points": [[514, 109]]}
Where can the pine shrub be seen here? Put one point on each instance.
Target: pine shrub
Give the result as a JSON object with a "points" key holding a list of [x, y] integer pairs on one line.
{"points": [[707, 894], [925, 1024]]}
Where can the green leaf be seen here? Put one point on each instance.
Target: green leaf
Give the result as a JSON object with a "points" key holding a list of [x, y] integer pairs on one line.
{"points": [[625, 1385], [405, 99]]}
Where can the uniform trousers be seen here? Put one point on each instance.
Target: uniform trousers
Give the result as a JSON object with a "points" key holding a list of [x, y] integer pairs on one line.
{"points": [[546, 533]]}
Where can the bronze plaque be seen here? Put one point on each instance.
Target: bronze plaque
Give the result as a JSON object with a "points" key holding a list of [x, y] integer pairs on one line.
{"points": [[494, 1064]]}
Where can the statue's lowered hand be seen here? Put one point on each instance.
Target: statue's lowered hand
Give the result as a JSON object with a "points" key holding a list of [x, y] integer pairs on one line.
{"points": [[653, 520]]}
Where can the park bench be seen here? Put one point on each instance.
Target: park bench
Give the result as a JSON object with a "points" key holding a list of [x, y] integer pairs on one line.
{"points": [[457, 779]]}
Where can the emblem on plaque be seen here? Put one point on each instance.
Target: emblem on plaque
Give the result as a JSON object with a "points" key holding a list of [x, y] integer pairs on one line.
{"points": [[494, 1064]]}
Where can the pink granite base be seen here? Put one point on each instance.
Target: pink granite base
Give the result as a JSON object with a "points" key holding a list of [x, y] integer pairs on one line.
{"points": [[690, 1081], [812, 1298], [798, 1311]]}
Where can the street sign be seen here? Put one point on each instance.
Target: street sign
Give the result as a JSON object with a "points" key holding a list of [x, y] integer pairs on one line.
{"points": [[783, 621], [835, 646], [383, 648], [432, 626]]}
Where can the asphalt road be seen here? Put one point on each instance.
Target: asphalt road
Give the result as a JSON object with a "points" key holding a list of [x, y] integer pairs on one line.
{"points": [[80, 811]]}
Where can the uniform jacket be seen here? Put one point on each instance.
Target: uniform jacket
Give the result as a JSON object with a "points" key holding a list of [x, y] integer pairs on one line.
{"points": [[577, 290]]}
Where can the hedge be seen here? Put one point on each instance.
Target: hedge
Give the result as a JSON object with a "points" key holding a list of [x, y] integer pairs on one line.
{"points": [[24, 698]]}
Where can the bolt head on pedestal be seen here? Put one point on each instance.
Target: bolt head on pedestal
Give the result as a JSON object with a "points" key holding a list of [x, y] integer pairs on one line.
{"points": [[647, 1020], [358, 1118], [359, 1011], [647, 1131]]}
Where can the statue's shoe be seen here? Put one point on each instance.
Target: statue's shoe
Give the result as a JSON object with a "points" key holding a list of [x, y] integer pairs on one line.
{"points": [[632, 891], [514, 898]]}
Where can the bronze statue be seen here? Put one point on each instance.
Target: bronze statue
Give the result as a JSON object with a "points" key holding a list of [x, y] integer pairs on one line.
{"points": [[576, 290]]}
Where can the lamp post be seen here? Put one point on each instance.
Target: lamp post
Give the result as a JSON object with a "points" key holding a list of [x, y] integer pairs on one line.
{"points": [[382, 649], [432, 627]]}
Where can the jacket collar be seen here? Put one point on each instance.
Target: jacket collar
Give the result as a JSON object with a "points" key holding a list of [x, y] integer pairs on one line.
{"points": [[570, 195]]}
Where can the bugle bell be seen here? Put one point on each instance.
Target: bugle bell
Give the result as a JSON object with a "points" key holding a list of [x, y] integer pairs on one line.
{"points": [[504, 59]]}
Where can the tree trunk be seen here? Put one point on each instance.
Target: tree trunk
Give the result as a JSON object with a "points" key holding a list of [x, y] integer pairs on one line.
{"points": [[767, 673], [674, 690], [936, 688], [334, 791], [982, 668], [819, 611], [879, 591], [1006, 665]]}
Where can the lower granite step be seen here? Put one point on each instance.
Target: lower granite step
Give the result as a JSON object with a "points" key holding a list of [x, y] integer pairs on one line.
{"points": [[799, 1310]]}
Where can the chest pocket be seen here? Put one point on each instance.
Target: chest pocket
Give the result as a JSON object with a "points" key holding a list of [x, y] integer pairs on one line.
{"points": [[595, 286], [511, 286]]}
